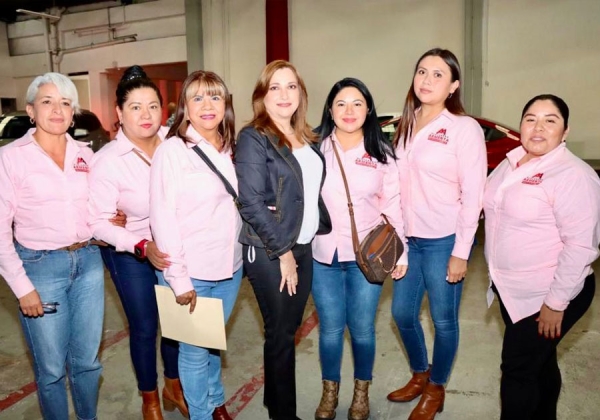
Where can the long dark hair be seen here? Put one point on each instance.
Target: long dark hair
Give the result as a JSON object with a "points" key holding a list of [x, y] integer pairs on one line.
{"points": [[453, 102], [134, 78], [263, 123], [558, 102], [213, 86], [376, 142]]}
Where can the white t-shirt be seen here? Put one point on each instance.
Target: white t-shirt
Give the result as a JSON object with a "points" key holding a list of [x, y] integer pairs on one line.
{"points": [[312, 170]]}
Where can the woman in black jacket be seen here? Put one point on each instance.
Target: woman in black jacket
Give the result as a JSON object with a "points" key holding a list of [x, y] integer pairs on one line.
{"points": [[280, 174]]}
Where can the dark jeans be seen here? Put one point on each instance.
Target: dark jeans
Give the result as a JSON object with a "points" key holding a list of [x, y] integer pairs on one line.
{"points": [[282, 315], [134, 280], [531, 379]]}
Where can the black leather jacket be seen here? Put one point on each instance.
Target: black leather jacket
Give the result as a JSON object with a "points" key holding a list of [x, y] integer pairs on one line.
{"points": [[271, 193]]}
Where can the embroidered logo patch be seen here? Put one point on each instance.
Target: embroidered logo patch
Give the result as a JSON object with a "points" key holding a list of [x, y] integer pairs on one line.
{"points": [[439, 137], [366, 160], [533, 180], [81, 165]]}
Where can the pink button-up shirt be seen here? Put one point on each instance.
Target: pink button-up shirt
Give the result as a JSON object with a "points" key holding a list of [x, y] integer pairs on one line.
{"points": [[442, 176], [374, 189], [120, 179], [542, 230], [47, 205], [193, 217]]}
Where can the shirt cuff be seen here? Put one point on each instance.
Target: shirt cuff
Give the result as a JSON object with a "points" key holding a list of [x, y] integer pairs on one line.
{"points": [[21, 287], [127, 242], [403, 260], [554, 303], [462, 250]]}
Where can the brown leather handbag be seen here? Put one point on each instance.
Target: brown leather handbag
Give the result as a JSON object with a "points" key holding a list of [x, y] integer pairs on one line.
{"points": [[380, 250]]}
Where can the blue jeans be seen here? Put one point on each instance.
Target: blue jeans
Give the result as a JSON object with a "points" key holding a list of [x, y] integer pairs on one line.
{"points": [[68, 340], [134, 280], [199, 367], [343, 296], [427, 270]]}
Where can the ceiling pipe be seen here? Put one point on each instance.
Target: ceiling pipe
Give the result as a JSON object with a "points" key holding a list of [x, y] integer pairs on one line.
{"points": [[120, 40], [46, 20]]}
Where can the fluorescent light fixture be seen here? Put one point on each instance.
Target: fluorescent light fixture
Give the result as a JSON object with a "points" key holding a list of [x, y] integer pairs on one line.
{"points": [[38, 14]]}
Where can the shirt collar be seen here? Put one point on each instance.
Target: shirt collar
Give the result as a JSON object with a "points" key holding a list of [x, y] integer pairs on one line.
{"points": [[28, 139], [515, 155], [124, 145]]}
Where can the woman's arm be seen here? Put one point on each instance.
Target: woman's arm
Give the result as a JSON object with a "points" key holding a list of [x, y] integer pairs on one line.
{"points": [[253, 178], [165, 178]]}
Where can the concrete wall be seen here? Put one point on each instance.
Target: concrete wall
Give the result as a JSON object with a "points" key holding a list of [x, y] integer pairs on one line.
{"points": [[7, 87], [375, 41], [542, 46]]}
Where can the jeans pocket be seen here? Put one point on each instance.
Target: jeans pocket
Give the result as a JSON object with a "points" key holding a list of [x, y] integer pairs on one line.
{"points": [[29, 255]]}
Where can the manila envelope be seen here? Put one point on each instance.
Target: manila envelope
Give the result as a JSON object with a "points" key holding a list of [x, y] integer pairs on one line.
{"points": [[205, 327]]}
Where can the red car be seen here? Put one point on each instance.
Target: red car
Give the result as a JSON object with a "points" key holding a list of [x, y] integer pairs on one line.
{"points": [[499, 140]]}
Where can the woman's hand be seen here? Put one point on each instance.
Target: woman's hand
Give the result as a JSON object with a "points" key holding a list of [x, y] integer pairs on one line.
{"points": [[31, 304], [289, 275], [119, 220], [158, 259], [457, 269], [188, 298], [549, 322], [399, 272]]}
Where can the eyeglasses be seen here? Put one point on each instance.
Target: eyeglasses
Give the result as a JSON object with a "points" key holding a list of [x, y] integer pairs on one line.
{"points": [[50, 307]]}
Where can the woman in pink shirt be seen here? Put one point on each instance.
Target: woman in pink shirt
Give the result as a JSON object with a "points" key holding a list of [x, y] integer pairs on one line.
{"points": [[341, 292], [196, 222], [47, 256], [120, 178], [442, 164], [542, 228]]}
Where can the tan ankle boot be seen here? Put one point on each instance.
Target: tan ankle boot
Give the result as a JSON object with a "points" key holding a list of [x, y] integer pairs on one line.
{"points": [[431, 403], [412, 389], [151, 406], [172, 396], [329, 401], [359, 409]]}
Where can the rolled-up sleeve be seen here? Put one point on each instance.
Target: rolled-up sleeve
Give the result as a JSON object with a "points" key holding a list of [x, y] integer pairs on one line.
{"points": [[472, 171]]}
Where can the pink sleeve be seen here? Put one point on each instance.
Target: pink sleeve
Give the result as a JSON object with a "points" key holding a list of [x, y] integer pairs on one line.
{"points": [[577, 211], [164, 180], [472, 171], [389, 203], [11, 266], [102, 206]]}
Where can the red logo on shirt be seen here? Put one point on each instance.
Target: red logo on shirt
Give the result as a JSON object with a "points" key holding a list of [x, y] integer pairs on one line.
{"points": [[81, 165], [366, 160], [439, 137], [534, 180]]}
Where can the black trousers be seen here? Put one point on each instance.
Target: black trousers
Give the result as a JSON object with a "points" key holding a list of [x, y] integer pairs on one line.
{"points": [[282, 315], [531, 379]]}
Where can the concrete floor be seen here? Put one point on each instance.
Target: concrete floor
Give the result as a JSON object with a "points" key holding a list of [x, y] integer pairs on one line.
{"points": [[472, 392]]}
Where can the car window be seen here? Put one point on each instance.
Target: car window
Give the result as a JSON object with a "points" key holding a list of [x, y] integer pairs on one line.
{"points": [[492, 134], [389, 130], [14, 127]]}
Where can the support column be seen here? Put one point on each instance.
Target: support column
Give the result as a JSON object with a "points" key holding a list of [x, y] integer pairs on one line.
{"points": [[194, 39], [278, 45], [474, 53]]}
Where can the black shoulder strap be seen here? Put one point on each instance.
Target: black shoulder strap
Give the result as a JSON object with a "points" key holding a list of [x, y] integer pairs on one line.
{"points": [[213, 168]]}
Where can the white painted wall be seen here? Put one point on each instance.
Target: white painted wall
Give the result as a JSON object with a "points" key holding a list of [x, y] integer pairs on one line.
{"points": [[542, 46], [375, 41]]}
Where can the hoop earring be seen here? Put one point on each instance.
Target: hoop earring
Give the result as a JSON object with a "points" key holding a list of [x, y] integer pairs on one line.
{"points": [[32, 121], [72, 123]]}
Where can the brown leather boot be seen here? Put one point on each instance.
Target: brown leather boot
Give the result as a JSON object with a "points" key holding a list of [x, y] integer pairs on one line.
{"points": [[151, 406], [329, 401], [172, 396], [412, 389], [431, 403], [359, 409], [220, 413]]}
